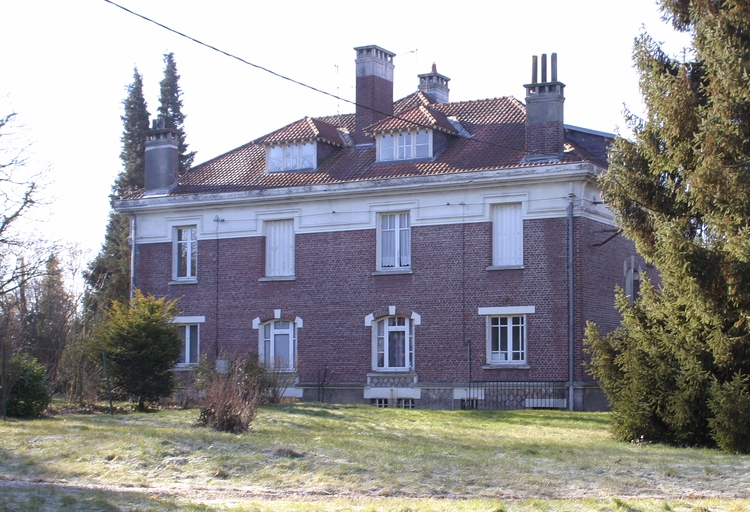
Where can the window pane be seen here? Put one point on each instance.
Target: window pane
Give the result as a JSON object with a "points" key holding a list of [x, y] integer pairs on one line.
{"points": [[182, 260], [404, 146], [181, 330], [386, 148], [275, 158], [396, 349], [281, 351], [307, 156], [404, 241], [193, 344], [422, 147], [193, 253], [388, 241], [290, 157]]}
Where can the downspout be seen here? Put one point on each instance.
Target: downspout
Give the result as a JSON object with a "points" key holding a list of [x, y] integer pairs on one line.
{"points": [[571, 311], [132, 255]]}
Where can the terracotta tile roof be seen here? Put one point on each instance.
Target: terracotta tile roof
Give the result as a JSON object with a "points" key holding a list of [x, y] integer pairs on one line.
{"points": [[305, 130], [492, 137], [419, 117]]}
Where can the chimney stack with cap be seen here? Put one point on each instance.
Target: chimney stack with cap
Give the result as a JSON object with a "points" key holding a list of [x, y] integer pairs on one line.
{"points": [[162, 158], [374, 88], [435, 85], [544, 113]]}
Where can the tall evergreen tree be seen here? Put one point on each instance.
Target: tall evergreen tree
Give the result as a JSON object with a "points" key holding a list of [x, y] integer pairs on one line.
{"points": [[50, 312], [109, 274], [170, 108], [679, 368]]}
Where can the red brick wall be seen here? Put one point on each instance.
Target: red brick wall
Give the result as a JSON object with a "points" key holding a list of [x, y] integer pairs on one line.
{"points": [[335, 289]]}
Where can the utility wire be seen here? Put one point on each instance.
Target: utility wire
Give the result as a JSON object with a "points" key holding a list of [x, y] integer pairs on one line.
{"points": [[297, 82]]}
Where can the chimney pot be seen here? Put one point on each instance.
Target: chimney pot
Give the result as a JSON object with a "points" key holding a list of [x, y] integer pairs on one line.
{"points": [[545, 131]]}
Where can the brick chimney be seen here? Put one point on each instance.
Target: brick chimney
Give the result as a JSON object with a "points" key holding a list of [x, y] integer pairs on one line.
{"points": [[544, 113], [162, 158], [435, 85], [374, 88]]}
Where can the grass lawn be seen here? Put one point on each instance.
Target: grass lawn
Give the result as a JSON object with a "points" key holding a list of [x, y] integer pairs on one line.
{"points": [[342, 457]]}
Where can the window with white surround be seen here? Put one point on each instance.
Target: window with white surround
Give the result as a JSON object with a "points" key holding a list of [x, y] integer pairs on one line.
{"points": [[277, 344], [404, 146], [291, 157], [185, 253], [507, 235], [189, 329], [507, 339], [506, 334], [279, 248], [393, 344], [191, 347], [394, 241]]}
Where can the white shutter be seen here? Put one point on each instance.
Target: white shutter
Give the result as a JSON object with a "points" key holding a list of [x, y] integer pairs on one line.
{"points": [[280, 248], [507, 236]]}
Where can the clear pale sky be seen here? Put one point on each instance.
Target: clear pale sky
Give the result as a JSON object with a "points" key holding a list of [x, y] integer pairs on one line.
{"points": [[65, 66]]}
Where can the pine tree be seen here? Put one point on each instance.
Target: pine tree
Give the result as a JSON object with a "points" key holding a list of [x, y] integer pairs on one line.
{"points": [[170, 108], [109, 274], [679, 368]]}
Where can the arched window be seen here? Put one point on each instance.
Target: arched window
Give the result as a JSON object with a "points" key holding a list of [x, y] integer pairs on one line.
{"points": [[277, 344], [393, 343]]}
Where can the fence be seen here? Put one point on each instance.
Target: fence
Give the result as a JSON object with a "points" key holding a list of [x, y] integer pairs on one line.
{"points": [[515, 395]]}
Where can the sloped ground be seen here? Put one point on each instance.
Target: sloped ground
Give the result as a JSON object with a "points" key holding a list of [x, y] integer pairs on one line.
{"points": [[330, 457]]}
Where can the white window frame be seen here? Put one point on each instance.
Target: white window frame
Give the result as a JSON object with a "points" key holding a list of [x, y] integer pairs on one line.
{"points": [[280, 248], [385, 349], [292, 157], [189, 326], [511, 321], [404, 146], [394, 241], [267, 332], [190, 246], [507, 235]]}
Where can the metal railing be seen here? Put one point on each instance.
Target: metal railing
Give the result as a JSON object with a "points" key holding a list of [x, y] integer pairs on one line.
{"points": [[515, 395]]}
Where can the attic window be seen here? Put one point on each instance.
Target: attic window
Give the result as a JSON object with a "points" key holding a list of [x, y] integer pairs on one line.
{"points": [[404, 146], [291, 157]]}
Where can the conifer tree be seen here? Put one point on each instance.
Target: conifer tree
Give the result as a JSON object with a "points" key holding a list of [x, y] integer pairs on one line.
{"points": [[142, 345], [109, 274], [678, 370], [170, 108]]}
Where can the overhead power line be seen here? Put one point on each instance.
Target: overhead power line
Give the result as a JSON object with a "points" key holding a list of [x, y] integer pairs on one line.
{"points": [[292, 80]]}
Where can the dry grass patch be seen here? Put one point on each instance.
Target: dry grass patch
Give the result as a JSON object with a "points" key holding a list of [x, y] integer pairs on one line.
{"points": [[317, 454]]}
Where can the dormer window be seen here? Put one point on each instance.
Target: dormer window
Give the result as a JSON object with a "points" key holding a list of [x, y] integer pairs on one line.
{"points": [[404, 146], [291, 157]]}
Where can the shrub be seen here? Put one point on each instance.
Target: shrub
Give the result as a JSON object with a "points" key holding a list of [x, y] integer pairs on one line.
{"points": [[28, 394], [81, 378], [230, 396], [143, 346]]}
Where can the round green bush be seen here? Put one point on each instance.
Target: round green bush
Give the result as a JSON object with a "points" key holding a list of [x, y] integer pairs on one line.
{"points": [[27, 382]]}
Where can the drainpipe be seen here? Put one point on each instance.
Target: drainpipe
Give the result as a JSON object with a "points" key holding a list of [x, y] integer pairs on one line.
{"points": [[132, 256], [571, 312]]}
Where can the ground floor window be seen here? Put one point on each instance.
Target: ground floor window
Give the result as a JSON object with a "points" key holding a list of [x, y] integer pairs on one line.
{"points": [[394, 343], [277, 344], [507, 339], [190, 351]]}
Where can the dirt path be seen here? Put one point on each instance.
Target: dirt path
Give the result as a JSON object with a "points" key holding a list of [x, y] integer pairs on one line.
{"points": [[226, 494]]}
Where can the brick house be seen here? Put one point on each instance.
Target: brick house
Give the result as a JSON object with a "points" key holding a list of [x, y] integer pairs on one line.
{"points": [[410, 254]]}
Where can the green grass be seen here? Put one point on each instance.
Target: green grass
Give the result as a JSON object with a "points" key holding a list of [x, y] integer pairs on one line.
{"points": [[337, 457]]}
